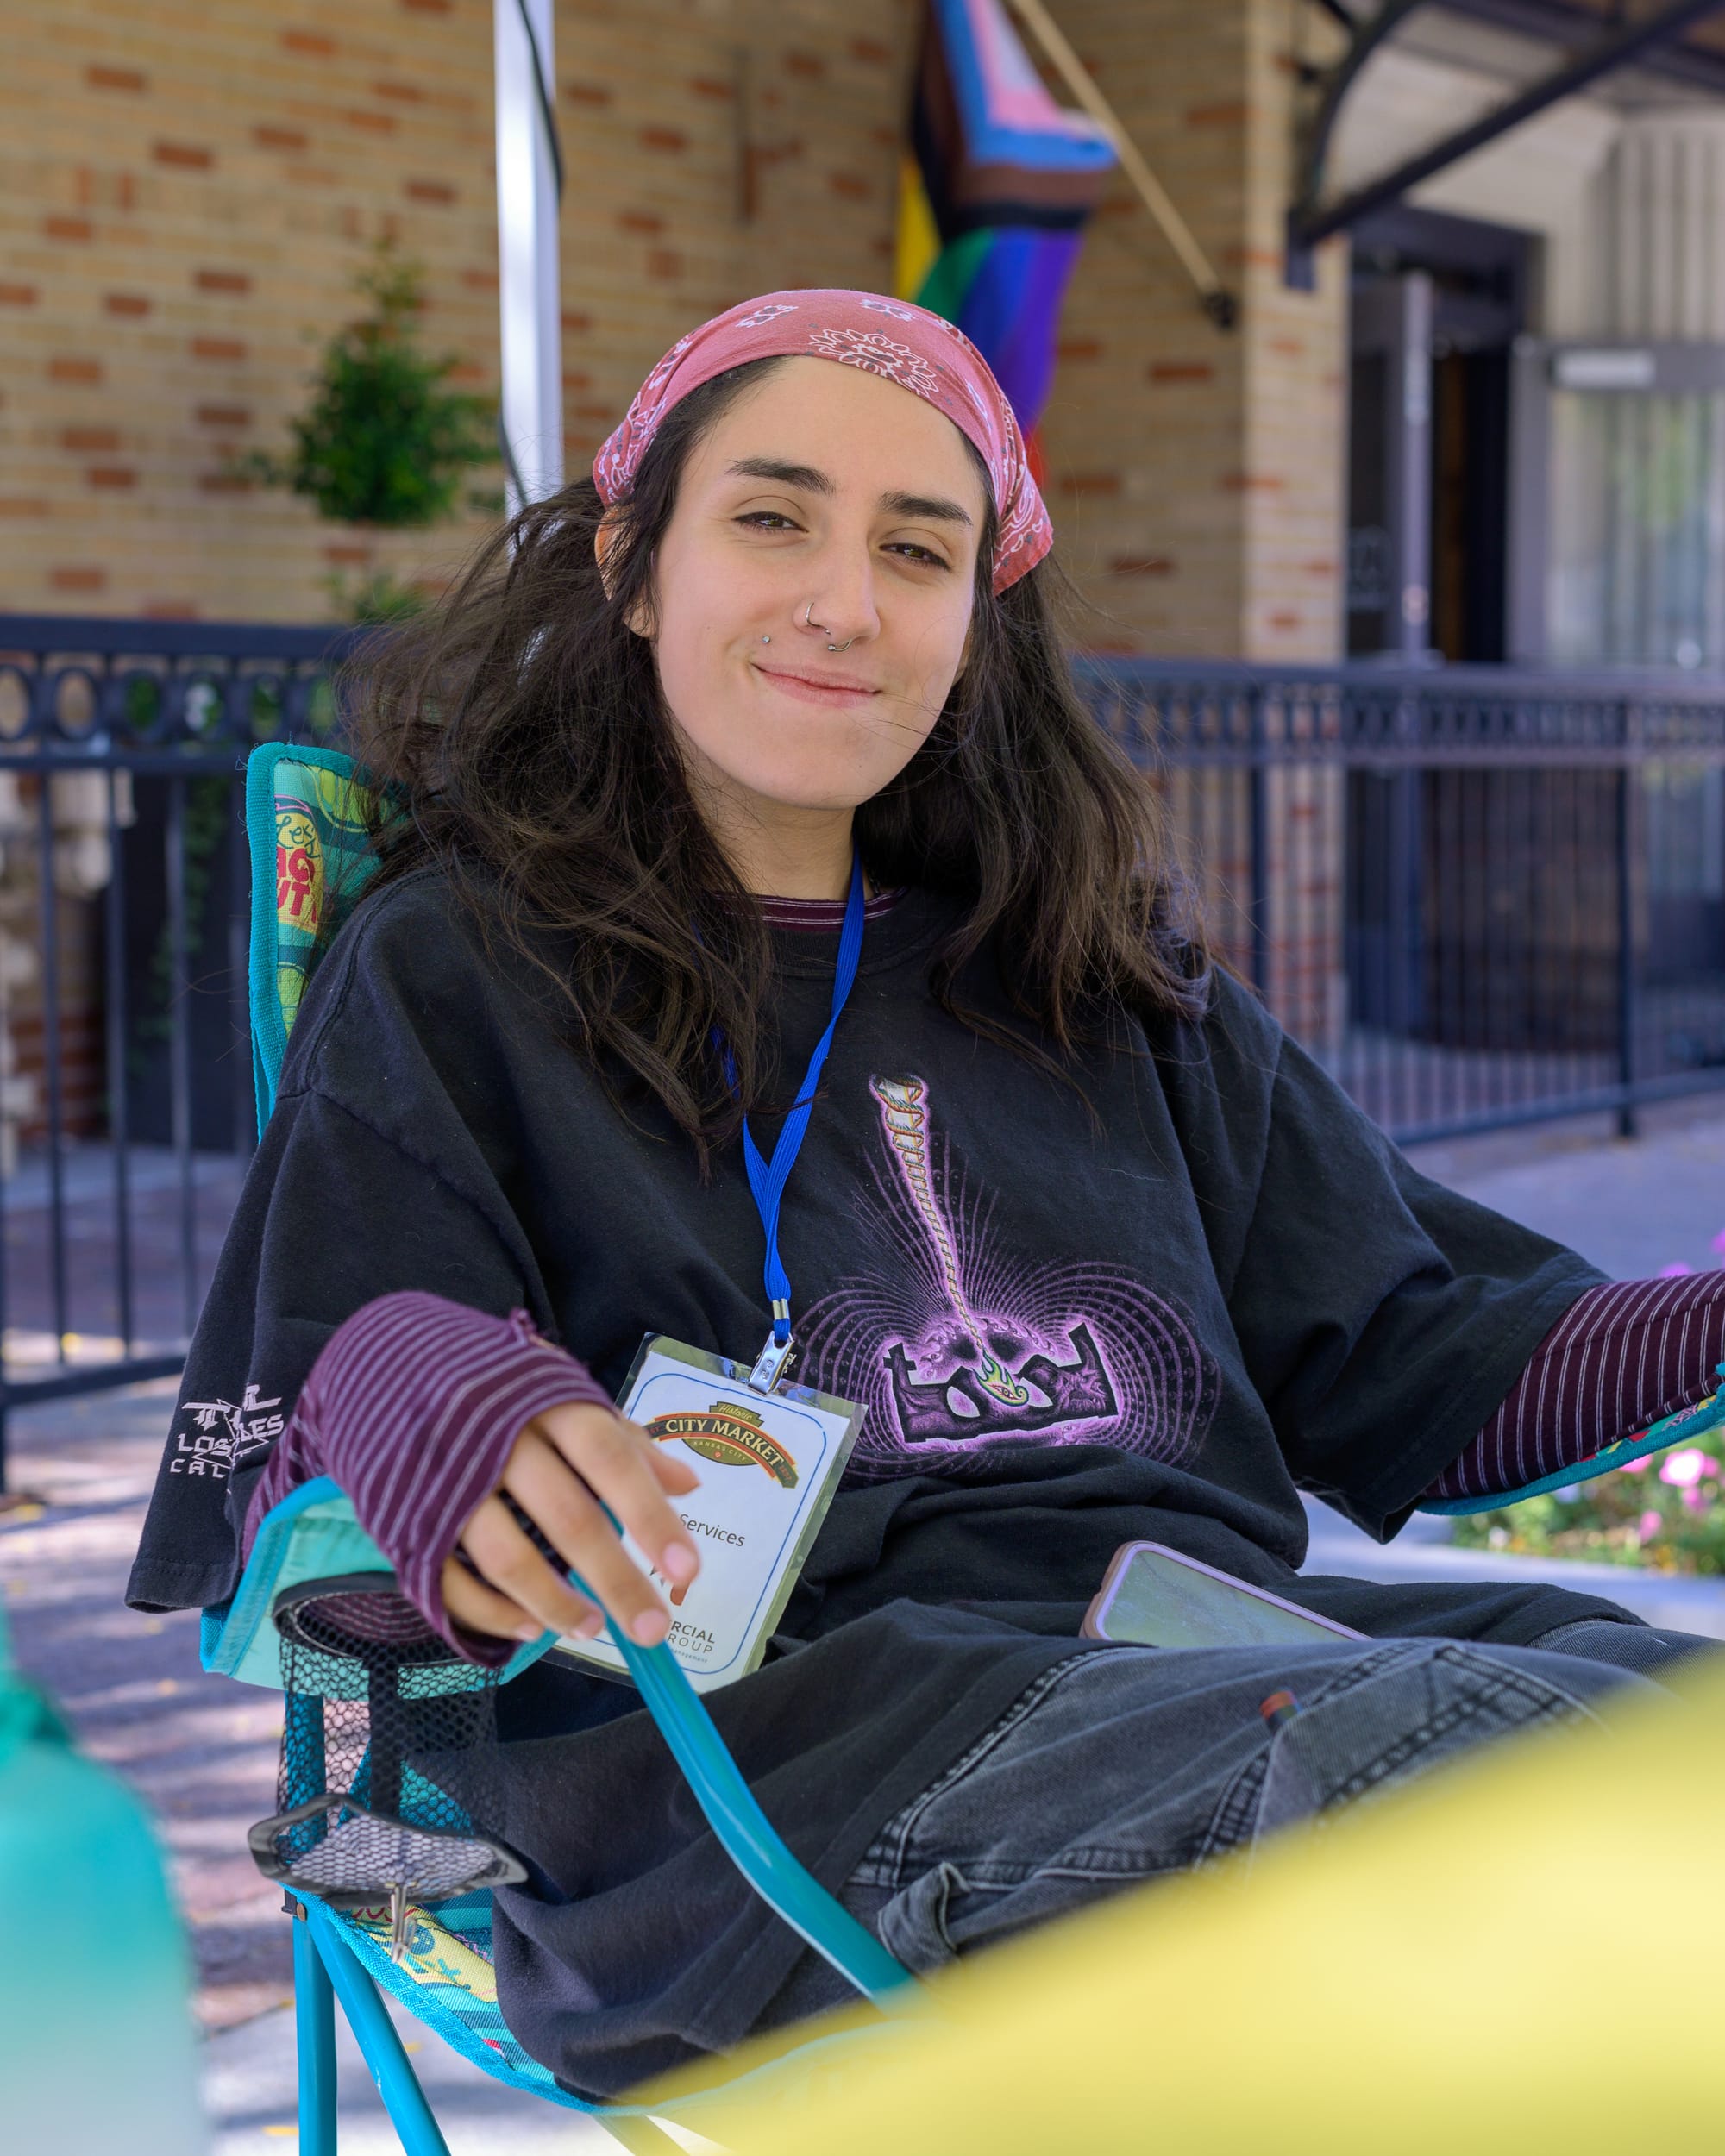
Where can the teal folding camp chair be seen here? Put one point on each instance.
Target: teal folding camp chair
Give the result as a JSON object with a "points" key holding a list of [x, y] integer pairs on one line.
{"points": [[310, 858]]}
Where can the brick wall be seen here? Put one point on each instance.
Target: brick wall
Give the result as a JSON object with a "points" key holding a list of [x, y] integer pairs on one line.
{"points": [[186, 193], [715, 152], [1197, 475]]}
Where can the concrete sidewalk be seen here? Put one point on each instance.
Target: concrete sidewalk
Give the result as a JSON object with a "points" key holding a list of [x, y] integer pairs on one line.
{"points": [[1422, 1551], [1631, 1206], [202, 1750]]}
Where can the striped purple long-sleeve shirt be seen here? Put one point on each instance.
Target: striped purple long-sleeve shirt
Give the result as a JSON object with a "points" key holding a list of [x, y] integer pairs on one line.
{"points": [[413, 1408], [1620, 1358]]}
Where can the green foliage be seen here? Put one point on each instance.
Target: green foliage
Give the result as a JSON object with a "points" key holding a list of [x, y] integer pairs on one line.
{"points": [[385, 441], [377, 598], [141, 700], [1666, 1514]]}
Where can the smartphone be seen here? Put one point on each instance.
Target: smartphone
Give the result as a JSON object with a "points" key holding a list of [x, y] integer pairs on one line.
{"points": [[1154, 1597]]}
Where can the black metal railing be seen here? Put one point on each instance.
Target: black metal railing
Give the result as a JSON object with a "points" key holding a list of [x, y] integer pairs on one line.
{"points": [[126, 1114], [1478, 896]]}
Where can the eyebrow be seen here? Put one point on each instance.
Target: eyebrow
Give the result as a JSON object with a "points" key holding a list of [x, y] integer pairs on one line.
{"points": [[937, 508]]}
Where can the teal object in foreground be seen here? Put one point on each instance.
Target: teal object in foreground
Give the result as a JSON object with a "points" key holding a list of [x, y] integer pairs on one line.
{"points": [[96, 2052]]}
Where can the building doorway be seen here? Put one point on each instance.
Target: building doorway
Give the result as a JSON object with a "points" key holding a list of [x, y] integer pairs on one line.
{"points": [[1437, 303]]}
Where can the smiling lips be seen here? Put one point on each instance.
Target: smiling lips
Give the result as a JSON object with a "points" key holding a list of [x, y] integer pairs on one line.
{"points": [[818, 688]]}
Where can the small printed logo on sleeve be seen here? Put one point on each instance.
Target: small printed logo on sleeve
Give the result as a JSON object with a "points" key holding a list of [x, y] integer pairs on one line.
{"points": [[219, 1435], [729, 1434]]}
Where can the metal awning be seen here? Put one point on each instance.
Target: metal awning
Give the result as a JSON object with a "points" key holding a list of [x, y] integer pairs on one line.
{"points": [[1597, 46]]}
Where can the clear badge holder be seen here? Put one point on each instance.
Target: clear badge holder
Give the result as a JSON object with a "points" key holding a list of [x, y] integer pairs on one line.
{"points": [[769, 1455]]}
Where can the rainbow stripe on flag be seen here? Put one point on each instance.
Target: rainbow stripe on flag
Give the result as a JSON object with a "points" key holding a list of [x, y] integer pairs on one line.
{"points": [[995, 190]]}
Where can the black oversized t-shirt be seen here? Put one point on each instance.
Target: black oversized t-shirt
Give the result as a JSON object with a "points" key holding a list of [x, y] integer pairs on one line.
{"points": [[1156, 1296]]}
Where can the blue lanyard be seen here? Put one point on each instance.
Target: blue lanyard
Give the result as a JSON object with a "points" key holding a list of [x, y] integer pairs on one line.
{"points": [[768, 1179]]}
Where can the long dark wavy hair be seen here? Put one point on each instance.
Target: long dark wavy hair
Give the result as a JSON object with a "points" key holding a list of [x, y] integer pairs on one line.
{"points": [[519, 738]]}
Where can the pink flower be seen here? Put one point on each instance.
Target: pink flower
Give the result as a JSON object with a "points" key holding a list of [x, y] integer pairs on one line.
{"points": [[1678, 1270], [1649, 1525], [1719, 1242], [1685, 1469]]}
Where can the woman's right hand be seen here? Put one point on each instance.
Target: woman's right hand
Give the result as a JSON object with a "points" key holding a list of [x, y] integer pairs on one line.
{"points": [[566, 1466]]}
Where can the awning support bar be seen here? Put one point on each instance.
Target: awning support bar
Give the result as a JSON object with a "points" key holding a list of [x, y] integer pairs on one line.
{"points": [[1308, 224]]}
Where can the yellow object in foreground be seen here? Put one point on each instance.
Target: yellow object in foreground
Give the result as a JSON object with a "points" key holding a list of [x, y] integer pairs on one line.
{"points": [[1524, 1953]]}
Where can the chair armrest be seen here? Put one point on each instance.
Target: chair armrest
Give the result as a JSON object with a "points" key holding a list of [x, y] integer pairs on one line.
{"points": [[1693, 1422]]}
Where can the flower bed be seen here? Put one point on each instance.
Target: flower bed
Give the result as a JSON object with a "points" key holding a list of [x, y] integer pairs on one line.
{"points": [[1666, 1513]]}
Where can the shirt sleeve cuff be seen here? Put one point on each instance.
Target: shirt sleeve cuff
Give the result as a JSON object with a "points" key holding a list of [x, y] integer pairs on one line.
{"points": [[413, 1408], [1623, 1357]]}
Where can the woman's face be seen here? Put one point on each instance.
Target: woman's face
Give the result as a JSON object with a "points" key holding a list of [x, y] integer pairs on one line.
{"points": [[824, 493]]}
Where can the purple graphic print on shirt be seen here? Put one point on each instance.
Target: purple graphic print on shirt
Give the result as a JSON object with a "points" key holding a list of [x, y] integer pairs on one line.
{"points": [[952, 1343]]}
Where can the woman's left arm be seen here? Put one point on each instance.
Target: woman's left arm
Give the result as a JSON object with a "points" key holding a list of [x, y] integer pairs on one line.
{"points": [[1620, 1359], [1382, 1318]]}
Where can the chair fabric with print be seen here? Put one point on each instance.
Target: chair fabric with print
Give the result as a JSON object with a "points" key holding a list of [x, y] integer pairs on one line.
{"points": [[306, 822]]}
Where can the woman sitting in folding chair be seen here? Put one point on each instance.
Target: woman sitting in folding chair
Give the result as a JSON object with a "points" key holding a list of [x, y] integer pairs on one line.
{"points": [[758, 747]]}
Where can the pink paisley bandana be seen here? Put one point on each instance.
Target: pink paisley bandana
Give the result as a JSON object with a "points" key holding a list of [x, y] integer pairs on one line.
{"points": [[917, 350]]}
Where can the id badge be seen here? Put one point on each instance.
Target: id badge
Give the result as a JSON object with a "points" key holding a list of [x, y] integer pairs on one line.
{"points": [[769, 1464]]}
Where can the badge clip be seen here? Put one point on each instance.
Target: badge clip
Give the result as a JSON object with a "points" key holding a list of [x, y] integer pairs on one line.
{"points": [[771, 1364]]}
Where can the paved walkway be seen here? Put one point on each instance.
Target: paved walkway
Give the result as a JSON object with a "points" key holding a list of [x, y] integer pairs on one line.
{"points": [[202, 1751], [1633, 1206]]}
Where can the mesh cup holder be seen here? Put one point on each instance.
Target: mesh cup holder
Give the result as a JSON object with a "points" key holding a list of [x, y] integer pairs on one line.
{"points": [[389, 1759]]}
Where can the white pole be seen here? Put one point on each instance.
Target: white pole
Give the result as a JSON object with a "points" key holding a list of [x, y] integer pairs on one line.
{"points": [[527, 297]]}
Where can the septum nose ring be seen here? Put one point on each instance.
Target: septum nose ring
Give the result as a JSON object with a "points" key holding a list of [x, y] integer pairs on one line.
{"points": [[809, 621]]}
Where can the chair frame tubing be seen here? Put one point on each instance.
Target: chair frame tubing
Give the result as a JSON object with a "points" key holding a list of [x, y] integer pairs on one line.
{"points": [[325, 1968], [330, 1966], [314, 2019]]}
